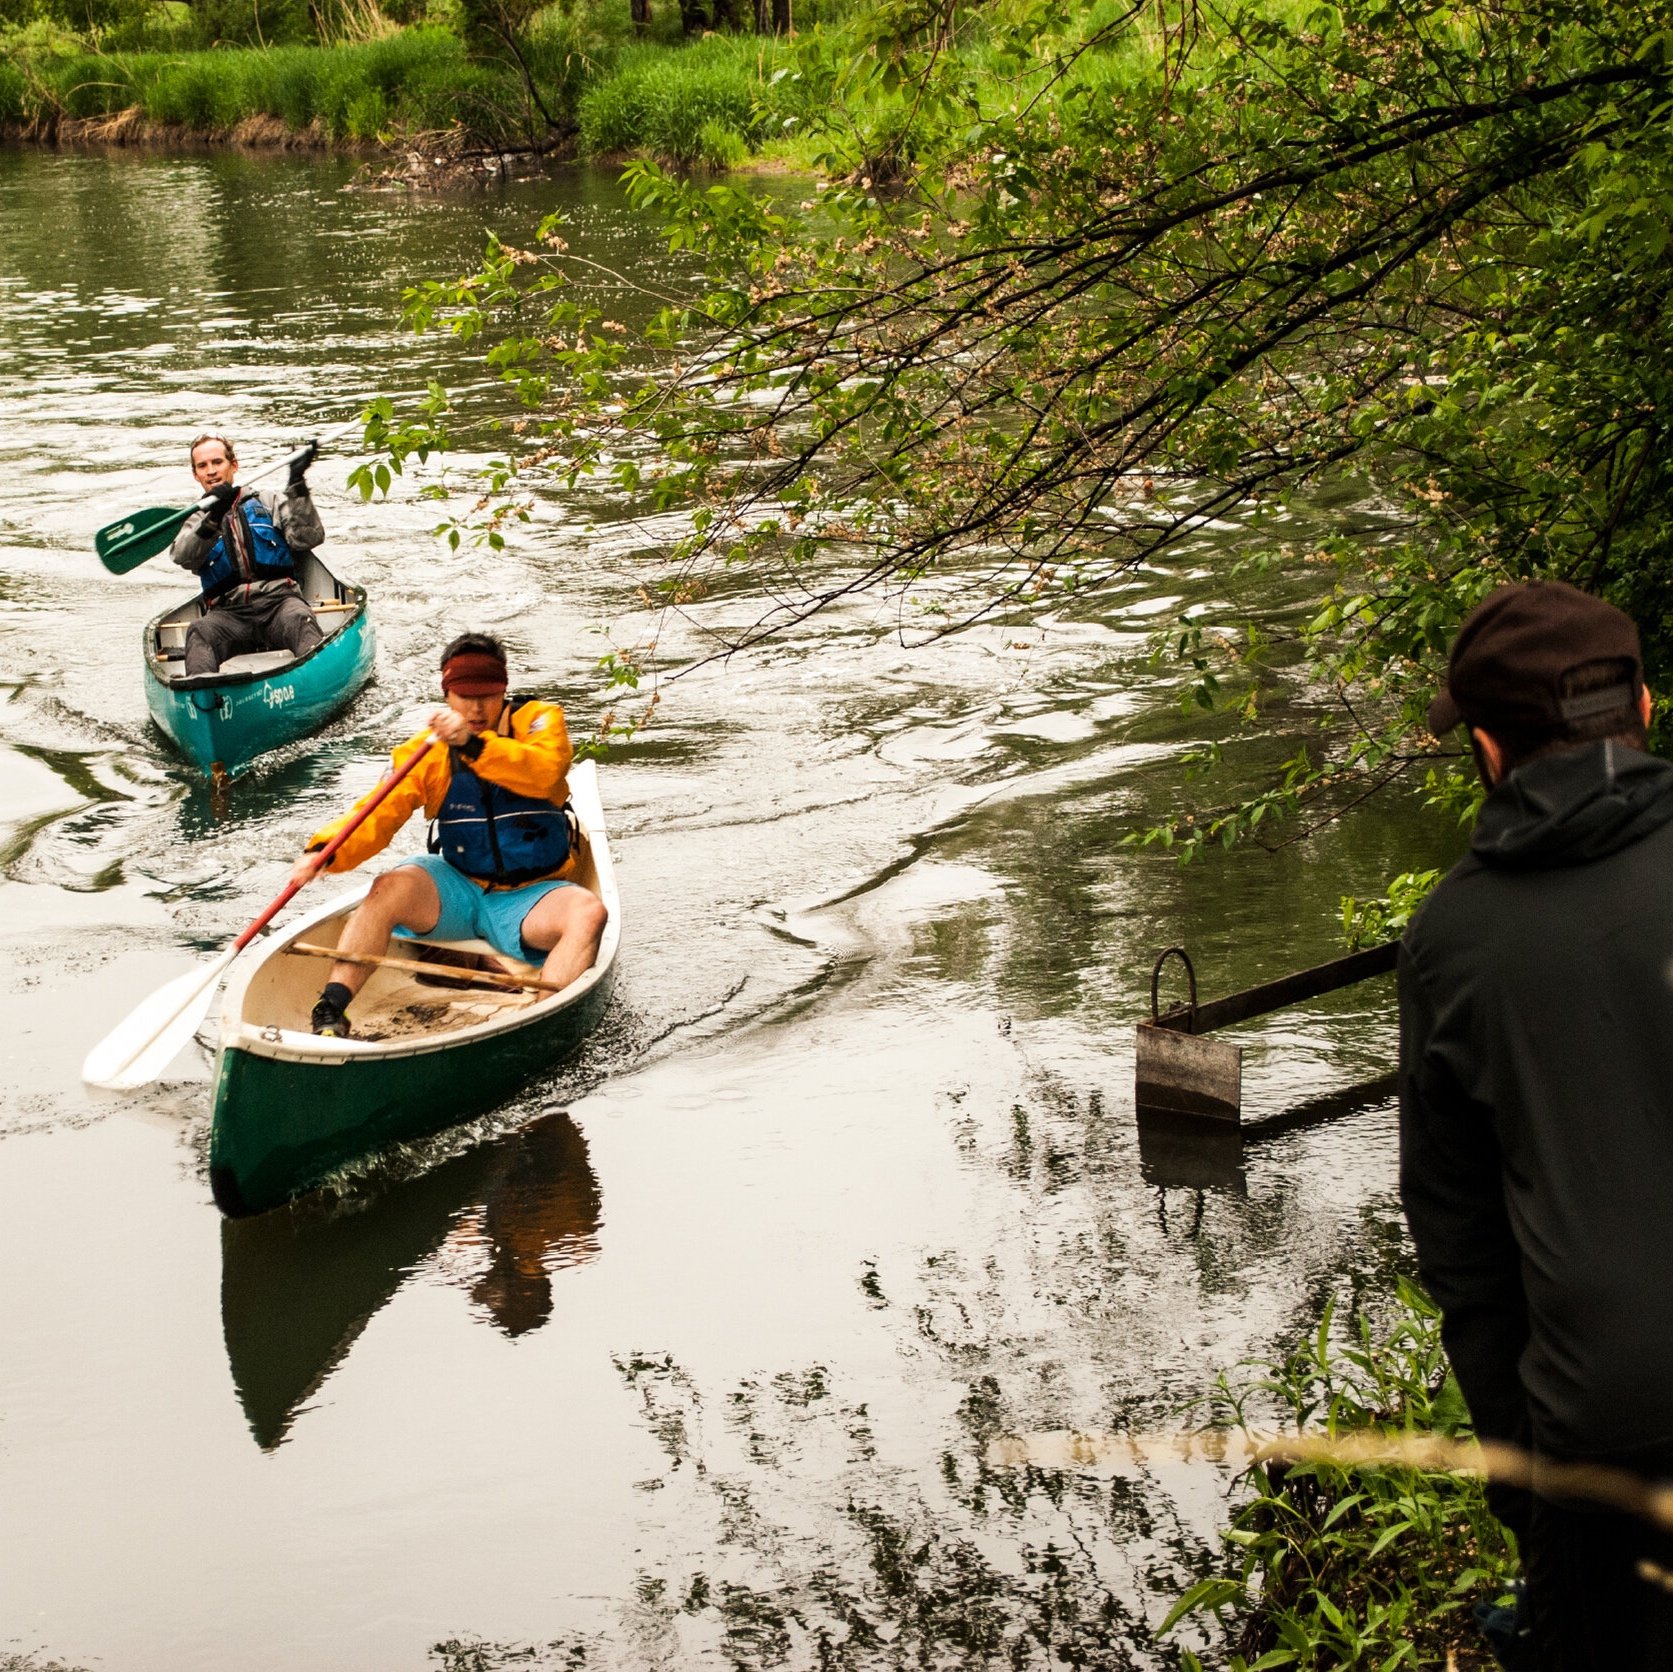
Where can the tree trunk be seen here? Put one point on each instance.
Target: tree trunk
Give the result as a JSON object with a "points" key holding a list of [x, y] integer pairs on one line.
{"points": [[693, 19], [781, 17], [641, 15], [762, 15]]}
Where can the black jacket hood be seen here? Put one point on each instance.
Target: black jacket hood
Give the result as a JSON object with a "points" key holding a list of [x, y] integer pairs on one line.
{"points": [[1573, 807]]}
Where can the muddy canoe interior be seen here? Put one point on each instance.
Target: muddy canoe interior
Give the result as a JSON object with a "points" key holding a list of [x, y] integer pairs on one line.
{"points": [[394, 1005]]}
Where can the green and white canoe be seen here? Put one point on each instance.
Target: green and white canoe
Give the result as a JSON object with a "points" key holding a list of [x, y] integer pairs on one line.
{"points": [[222, 721], [292, 1109]]}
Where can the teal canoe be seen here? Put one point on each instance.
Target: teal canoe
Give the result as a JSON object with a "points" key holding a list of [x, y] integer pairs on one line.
{"points": [[292, 1109], [223, 720]]}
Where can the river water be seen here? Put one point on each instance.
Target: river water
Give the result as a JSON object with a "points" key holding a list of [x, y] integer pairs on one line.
{"points": [[693, 1355]]}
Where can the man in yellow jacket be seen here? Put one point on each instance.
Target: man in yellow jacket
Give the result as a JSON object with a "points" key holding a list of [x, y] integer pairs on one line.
{"points": [[495, 782]]}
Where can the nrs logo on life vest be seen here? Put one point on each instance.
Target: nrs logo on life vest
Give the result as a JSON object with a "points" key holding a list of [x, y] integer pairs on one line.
{"points": [[276, 696]]}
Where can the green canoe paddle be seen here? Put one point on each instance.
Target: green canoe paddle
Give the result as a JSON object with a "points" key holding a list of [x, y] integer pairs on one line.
{"points": [[126, 544]]}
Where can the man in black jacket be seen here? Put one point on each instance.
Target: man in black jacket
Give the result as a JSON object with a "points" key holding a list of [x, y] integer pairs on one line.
{"points": [[1536, 1090]]}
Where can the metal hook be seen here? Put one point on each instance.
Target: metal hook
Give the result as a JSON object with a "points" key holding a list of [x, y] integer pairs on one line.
{"points": [[1184, 957]]}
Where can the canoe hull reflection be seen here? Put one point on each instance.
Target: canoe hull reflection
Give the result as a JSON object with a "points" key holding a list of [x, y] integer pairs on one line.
{"points": [[298, 1287]]}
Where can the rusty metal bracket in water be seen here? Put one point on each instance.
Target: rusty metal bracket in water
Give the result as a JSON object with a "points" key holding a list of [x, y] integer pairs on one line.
{"points": [[1162, 957], [1179, 1072]]}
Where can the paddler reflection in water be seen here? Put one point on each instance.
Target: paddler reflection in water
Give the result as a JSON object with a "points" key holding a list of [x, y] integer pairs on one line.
{"points": [[243, 551], [542, 1210], [497, 792]]}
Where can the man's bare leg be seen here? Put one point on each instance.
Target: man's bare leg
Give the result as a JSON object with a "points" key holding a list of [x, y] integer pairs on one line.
{"points": [[404, 898], [567, 924]]}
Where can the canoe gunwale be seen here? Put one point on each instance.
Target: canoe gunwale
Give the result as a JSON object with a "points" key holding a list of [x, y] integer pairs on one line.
{"points": [[291, 1045], [189, 609], [191, 685]]}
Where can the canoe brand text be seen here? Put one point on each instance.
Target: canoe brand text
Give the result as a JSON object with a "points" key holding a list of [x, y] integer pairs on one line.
{"points": [[276, 696]]}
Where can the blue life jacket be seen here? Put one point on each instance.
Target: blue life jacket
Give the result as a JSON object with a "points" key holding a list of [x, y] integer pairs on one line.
{"points": [[494, 834], [271, 557]]}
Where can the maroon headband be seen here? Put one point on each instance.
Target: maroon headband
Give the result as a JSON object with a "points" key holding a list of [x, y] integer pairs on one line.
{"points": [[474, 673]]}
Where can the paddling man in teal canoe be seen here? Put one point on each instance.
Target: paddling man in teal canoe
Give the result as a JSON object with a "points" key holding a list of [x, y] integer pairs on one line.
{"points": [[503, 837], [242, 549]]}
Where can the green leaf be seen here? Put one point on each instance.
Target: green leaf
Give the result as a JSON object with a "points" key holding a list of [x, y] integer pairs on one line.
{"points": [[1206, 1595]]}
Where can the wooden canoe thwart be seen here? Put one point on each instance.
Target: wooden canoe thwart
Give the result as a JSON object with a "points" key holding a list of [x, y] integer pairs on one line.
{"points": [[439, 972], [1178, 1071], [440, 1036], [223, 721]]}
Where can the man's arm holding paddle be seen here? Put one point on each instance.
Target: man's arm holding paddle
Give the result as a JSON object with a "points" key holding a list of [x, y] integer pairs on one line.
{"points": [[534, 764], [292, 508], [140, 1047], [423, 787], [198, 534], [532, 758]]}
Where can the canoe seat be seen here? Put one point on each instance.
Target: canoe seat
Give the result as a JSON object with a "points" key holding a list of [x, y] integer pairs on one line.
{"points": [[258, 661]]}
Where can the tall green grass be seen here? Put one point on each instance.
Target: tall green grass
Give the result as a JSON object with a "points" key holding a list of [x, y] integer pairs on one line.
{"points": [[416, 80], [1340, 1567], [711, 103]]}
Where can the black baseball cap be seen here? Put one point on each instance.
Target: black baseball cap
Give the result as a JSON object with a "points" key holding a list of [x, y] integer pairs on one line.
{"points": [[1513, 651]]}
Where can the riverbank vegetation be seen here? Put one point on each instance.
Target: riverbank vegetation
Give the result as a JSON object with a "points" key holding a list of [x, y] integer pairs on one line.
{"points": [[582, 77], [1079, 294], [1082, 283], [712, 103], [1366, 1566]]}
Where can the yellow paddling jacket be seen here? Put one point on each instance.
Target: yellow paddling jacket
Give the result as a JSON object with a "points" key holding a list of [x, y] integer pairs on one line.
{"points": [[528, 754]]}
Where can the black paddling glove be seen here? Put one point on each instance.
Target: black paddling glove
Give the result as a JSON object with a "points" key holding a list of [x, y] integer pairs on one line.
{"points": [[223, 496], [299, 462]]}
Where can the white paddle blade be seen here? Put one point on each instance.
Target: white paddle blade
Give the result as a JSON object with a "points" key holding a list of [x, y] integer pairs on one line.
{"points": [[139, 1048]]}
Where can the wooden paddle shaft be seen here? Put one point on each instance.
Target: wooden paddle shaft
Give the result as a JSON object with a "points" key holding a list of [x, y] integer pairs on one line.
{"points": [[447, 972]]}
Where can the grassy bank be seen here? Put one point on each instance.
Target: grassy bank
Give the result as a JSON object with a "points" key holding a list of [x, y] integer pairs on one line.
{"points": [[415, 80], [580, 76], [714, 102], [1355, 1567]]}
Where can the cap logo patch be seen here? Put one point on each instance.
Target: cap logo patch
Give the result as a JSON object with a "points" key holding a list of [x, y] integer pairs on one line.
{"points": [[1589, 703]]}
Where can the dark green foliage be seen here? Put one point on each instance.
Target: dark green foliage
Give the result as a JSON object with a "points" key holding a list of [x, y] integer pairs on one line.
{"points": [[1362, 1567], [1082, 281], [93, 17]]}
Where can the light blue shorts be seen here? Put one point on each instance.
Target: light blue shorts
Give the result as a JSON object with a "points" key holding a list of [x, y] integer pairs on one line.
{"points": [[471, 913]]}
